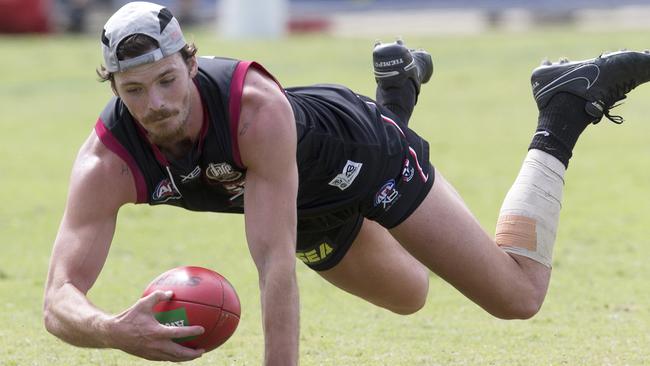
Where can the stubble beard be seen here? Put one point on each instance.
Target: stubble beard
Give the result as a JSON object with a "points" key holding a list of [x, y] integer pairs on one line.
{"points": [[176, 135]]}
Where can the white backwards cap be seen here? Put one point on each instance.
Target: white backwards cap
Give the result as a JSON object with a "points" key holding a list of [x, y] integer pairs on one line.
{"points": [[146, 18]]}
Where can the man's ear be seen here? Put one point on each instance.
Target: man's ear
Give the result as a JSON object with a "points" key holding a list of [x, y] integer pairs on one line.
{"points": [[193, 65]]}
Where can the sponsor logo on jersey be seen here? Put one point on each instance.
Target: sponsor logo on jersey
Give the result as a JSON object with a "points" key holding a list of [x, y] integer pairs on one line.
{"points": [[231, 180], [236, 189], [347, 176], [387, 195], [408, 172], [192, 175], [165, 191], [315, 255], [222, 172]]}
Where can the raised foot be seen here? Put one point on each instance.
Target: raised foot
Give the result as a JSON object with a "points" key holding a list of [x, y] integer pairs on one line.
{"points": [[601, 82], [394, 64]]}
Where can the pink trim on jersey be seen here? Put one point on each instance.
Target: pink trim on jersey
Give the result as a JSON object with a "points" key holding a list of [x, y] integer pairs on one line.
{"points": [[204, 127], [388, 120], [425, 177], [111, 143], [234, 108], [160, 157]]}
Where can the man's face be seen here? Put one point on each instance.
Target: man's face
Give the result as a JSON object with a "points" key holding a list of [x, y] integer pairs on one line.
{"points": [[158, 96]]}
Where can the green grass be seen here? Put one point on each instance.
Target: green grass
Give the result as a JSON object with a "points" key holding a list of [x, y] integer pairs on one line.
{"points": [[478, 116]]}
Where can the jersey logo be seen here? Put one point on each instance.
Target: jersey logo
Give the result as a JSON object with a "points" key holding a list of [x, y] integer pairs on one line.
{"points": [[408, 172], [349, 174], [387, 195], [230, 180], [222, 172], [192, 175], [165, 191]]}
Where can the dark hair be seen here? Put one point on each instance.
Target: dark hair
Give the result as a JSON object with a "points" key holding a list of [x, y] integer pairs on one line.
{"points": [[136, 45]]}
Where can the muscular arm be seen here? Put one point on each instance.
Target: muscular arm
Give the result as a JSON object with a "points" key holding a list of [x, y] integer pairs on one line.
{"points": [[82, 244], [100, 184], [267, 139]]}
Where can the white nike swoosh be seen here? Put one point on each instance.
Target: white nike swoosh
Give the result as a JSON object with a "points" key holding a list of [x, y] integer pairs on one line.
{"points": [[589, 76]]}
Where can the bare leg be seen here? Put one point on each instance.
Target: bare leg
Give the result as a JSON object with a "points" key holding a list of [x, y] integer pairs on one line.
{"points": [[444, 235], [377, 269], [510, 281]]}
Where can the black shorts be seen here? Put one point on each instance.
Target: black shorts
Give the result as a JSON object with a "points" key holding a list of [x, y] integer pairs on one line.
{"points": [[323, 239]]}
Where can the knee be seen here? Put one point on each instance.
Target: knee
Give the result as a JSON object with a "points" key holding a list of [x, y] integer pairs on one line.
{"points": [[517, 311], [524, 306], [413, 298], [408, 306]]}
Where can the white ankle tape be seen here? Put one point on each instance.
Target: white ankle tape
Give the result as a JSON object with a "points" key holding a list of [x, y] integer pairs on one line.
{"points": [[530, 213]]}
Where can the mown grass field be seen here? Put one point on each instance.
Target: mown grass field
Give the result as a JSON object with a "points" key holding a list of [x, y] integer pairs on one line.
{"points": [[477, 114]]}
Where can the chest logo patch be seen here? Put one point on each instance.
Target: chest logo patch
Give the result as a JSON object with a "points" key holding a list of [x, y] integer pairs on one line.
{"points": [[222, 172], [191, 175], [344, 179], [165, 191]]}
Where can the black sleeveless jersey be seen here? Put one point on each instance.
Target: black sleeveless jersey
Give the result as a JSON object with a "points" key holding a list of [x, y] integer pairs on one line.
{"points": [[211, 178], [345, 147]]}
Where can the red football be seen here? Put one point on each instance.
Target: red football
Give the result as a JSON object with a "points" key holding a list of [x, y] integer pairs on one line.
{"points": [[201, 297]]}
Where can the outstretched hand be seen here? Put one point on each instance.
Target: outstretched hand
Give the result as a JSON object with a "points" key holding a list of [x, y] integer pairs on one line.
{"points": [[137, 332]]}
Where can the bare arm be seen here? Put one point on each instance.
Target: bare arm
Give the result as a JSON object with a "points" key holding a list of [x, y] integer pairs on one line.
{"points": [[267, 138], [100, 184]]}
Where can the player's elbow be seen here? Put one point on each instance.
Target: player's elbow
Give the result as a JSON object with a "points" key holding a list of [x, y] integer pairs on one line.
{"points": [[49, 320]]}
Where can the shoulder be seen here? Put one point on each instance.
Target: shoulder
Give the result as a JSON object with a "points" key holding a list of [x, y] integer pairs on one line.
{"points": [[99, 172], [260, 87], [266, 116], [264, 103]]}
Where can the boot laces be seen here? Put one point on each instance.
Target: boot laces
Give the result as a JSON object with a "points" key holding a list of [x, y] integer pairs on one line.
{"points": [[617, 94]]}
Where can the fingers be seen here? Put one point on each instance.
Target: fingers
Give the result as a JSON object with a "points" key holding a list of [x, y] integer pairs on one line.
{"points": [[178, 353], [181, 332], [171, 352], [143, 336], [170, 332], [149, 301]]}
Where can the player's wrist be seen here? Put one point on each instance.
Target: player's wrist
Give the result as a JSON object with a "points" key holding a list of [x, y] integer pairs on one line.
{"points": [[107, 330]]}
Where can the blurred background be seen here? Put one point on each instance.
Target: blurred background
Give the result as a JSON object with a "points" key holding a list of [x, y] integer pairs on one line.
{"points": [[276, 18], [477, 114]]}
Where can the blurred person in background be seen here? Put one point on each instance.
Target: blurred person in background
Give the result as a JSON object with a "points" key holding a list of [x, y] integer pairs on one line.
{"points": [[186, 12], [77, 12]]}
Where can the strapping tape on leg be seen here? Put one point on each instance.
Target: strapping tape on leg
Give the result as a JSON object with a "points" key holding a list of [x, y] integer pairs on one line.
{"points": [[518, 235], [530, 212]]}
